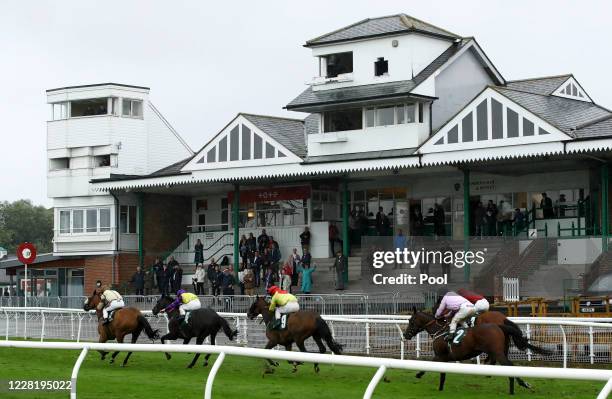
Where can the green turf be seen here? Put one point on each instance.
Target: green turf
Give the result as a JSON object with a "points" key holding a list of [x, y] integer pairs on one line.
{"points": [[150, 375]]}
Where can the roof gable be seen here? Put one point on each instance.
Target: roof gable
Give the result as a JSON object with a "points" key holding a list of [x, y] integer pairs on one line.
{"points": [[491, 120], [387, 25], [571, 89], [250, 140]]}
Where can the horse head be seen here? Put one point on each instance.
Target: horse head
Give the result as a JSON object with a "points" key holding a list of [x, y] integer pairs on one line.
{"points": [[418, 322], [93, 301], [162, 303], [259, 307]]}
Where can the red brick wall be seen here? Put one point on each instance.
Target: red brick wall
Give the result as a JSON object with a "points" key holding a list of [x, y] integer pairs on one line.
{"points": [[98, 268]]}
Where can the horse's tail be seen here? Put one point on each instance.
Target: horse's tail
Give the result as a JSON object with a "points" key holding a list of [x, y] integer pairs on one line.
{"points": [[144, 324], [521, 342], [324, 332], [226, 329]]}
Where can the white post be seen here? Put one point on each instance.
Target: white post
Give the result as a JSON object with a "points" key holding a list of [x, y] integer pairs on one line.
{"points": [[42, 329], [591, 349], [75, 372], [211, 376], [79, 328], [528, 338], [7, 324], [25, 286], [606, 390], [367, 343], [418, 345], [375, 380], [564, 347]]}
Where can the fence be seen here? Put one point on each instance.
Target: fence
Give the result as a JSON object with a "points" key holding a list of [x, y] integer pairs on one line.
{"points": [[510, 289], [381, 364], [570, 341]]}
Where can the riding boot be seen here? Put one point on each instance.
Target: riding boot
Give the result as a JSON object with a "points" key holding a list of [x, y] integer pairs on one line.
{"points": [[449, 337], [105, 321]]}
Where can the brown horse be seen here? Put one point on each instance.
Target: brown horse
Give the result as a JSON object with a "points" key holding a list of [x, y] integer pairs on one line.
{"points": [[301, 325], [483, 338], [125, 321]]}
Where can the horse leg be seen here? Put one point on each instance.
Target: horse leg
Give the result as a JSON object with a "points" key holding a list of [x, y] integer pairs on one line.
{"points": [[267, 368], [213, 340], [103, 354], [170, 336], [322, 349], [135, 335], [288, 348], [120, 341], [302, 347], [199, 341]]}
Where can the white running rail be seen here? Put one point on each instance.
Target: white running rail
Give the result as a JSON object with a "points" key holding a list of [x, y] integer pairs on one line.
{"points": [[382, 364]]}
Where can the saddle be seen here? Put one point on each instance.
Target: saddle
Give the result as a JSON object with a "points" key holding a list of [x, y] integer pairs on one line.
{"points": [[460, 334], [279, 324]]}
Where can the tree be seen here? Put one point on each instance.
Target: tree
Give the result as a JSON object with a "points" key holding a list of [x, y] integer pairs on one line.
{"points": [[21, 221]]}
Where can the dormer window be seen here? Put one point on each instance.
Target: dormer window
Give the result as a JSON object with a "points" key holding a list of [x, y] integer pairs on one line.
{"points": [[381, 67], [338, 64]]}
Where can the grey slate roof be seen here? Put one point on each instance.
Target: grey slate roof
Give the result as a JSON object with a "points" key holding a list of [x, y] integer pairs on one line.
{"points": [[565, 114], [545, 85], [387, 25], [173, 169], [599, 128], [361, 155], [288, 132], [380, 90]]}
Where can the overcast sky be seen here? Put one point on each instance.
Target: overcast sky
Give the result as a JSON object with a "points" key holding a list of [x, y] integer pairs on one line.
{"points": [[206, 61]]}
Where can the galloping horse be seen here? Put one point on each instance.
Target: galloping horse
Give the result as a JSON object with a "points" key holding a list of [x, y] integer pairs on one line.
{"points": [[202, 323], [483, 338], [301, 325], [125, 321]]}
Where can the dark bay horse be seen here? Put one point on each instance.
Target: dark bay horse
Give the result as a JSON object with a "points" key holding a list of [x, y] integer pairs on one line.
{"points": [[125, 321], [202, 323], [489, 339], [301, 325]]}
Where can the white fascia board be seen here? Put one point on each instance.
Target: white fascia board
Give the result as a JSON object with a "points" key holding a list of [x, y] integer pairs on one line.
{"points": [[589, 146]]}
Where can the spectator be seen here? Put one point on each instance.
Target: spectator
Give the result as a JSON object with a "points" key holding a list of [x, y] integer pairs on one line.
{"points": [[400, 243], [243, 248], [227, 282], [200, 279], [339, 265], [519, 219], [149, 280], [491, 218], [137, 281], [439, 220], [307, 278], [256, 265], [252, 245], [363, 223], [214, 276], [353, 227], [157, 266], [382, 222], [262, 241], [546, 204], [249, 282], [417, 223], [286, 274], [163, 279], [306, 259], [225, 261], [269, 278], [275, 254], [560, 206], [334, 237], [305, 239], [479, 220], [241, 273], [446, 259], [199, 253], [295, 262], [177, 277]]}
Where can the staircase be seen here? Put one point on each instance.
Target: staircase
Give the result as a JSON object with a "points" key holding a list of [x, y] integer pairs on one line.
{"points": [[601, 266]]}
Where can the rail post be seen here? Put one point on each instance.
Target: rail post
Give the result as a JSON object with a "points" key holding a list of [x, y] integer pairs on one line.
{"points": [[7, 324], [402, 341], [75, 373], [211, 376], [367, 338], [375, 380], [42, 328], [418, 346], [605, 390], [564, 347], [79, 328], [591, 349], [528, 338]]}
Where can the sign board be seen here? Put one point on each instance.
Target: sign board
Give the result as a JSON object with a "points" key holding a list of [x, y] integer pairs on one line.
{"points": [[26, 253], [533, 233]]}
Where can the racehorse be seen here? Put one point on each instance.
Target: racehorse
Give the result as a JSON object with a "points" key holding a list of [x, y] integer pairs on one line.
{"points": [[483, 338], [301, 325], [202, 323], [125, 321]]}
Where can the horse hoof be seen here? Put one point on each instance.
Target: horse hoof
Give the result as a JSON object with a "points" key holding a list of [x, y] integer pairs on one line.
{"points": [[386, 380], [190, 366], [168, 357], [275, 364], [294, 370], [112, 361], [317, 369], [419, 375], [205, 364]]}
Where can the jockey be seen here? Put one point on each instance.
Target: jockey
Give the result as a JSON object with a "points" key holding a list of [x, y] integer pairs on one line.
{"points": [[111, 300], [452, 302], [281, 303], [185, 301], [481, 304]]}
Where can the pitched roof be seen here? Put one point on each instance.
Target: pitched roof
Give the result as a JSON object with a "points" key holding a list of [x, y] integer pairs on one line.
{"points": [[381, 26], [601, 127], [311, 98], [563, 113], [544, 85], [288, 132], [173, 169]]}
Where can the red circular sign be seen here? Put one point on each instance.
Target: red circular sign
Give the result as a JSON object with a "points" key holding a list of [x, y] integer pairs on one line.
{"points": [[26, 253]]}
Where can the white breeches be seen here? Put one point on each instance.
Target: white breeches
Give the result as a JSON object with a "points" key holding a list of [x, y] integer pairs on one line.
{"points": [[465, 311], [113, 305], [191, 305], [290, 307], [481, 306]]}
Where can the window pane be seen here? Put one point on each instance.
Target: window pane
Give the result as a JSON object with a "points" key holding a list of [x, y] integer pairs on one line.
{"points": [[338, 121], [410, 110], [77, 221], [234, 144], [369, 116], [269, 150], [246, 142], [223, 149], [482, 121], [399, 114], [132, 214], [105, 219], [127, 107], [64, 222], [497, 119], [92, 220], [123, 219], [137, 108], [385, 116], [467, 128], [257, 146]]}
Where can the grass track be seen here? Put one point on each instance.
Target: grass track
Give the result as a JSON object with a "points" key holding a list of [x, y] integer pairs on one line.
{"points": [[151, 376]]}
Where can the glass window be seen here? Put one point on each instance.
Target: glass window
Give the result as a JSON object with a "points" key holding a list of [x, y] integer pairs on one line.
{"points": [[234, 144], [269, 150], [59, 111], [246, 142], [105, 220], [132, 108], [223, 149], [77, 221], [339, 63], [257, 146], [65, 222], [90, 107], [385, 116], [92, 220], [400, 114], [133, 214], [137, 108], [410, 111], [339, 121], [370, 115], [128, 219], [497, 119]]}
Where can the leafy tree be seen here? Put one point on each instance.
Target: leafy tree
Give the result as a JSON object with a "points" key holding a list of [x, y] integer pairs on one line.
{"points": [[22, 221]]}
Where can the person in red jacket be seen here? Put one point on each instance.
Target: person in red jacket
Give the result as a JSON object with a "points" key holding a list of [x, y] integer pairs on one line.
{"points": [[481, 304]]}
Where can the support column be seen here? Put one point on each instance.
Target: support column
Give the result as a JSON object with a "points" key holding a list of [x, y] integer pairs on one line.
{"points": [[345, 226], [466, 219], [140, 229], [236, 224], [604, 207]]}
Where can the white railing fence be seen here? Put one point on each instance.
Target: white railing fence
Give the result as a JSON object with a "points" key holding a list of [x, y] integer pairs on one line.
{"points": [[569, 340], [510, 289], [382, 364]]}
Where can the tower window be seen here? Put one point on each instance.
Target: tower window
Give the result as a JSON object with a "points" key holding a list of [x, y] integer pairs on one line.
{"points": [[381, 67], [337, 64]]}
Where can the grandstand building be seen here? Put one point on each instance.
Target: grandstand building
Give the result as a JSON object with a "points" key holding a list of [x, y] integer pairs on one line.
{"points": [[400, 115]]}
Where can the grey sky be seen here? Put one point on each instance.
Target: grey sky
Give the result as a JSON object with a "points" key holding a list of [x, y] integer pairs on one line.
{"points": [[206, 61]]}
